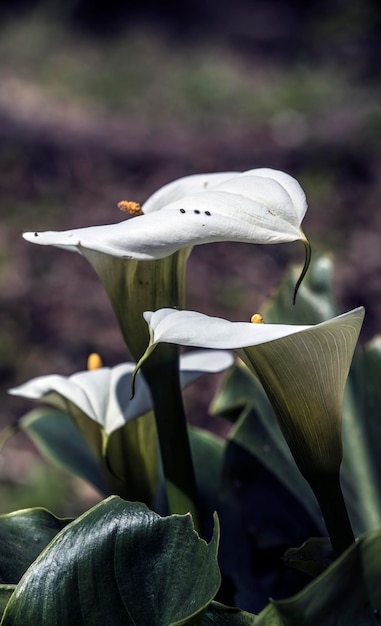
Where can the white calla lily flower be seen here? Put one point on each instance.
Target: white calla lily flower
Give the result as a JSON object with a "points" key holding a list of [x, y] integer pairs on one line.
{"points": [[142, 261], [257, 206], [104, 394], [189, 328], [303, 370]]}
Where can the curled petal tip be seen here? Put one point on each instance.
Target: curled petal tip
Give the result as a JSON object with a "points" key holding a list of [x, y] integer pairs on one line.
{"points": [[307, 261]]}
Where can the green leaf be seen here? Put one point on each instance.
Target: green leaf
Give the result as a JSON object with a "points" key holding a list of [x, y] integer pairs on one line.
{"points": [[266, 504], [59, 440], [313, 557], [361, 468], [349, 592], [207, 452], [260, 519], [257, 431], [119, 564], [371, 376], [23, 536], [314, 303], [219, 615], [235, 393], [5, 595]]}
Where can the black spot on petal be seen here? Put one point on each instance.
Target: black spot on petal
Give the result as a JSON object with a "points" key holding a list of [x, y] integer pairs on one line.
{"points": [[36, 234], [182, 210], [207, 213], [197, 211]]}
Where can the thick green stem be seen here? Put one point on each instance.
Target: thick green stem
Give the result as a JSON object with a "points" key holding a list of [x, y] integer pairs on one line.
{"points": [[327, 490], [161, 371]]}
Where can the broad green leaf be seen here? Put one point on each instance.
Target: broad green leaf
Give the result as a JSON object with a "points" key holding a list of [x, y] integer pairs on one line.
{"points": [[257, 431], [260, 519], [361, 470], [58, 439], [23, 536], [349, 592], [119, 564]]}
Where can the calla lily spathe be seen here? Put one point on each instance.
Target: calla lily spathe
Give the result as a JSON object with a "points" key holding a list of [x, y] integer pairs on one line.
{"points": [[257, 206], [141, 261], [303, 370], [104, 394], [99, 404]]}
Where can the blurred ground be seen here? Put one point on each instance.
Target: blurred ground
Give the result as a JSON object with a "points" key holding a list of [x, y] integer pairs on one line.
{"points": [[108, 104]]}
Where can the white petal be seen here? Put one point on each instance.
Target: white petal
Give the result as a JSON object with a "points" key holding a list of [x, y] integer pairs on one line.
{"points": [[188, 328], [204, 218], [62, 386], [259, 206], [290, 184], [265, 191], [247, 219], [183, 187], [61, 239], [105, 394]]}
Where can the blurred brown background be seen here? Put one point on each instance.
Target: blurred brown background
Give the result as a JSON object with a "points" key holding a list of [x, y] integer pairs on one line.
{"points": [[109, 100]]}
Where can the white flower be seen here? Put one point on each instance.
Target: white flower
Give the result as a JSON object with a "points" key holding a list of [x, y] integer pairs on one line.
{"points": [[257, 206], [104, 394], [142, 261], [303, 370]]}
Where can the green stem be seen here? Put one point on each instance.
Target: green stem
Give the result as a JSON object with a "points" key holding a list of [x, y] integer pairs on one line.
{"points": [[327, 490], [161, 371]]}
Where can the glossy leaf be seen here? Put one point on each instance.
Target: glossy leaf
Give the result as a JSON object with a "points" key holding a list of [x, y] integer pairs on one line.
{"points": [[23, 536], [119, 564]]}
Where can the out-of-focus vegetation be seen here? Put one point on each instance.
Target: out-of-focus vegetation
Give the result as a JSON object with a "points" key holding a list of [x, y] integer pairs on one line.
{"points": [[99, 104]]}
